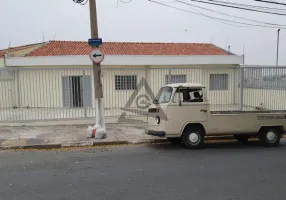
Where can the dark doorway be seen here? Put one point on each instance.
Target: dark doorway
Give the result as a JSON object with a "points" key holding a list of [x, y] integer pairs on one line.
{"points": [[76, 88], [77, 91]]}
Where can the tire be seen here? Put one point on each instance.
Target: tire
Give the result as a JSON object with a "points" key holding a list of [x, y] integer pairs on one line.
{"points": [[193, 137], [242, 138], [270, 136], [174, 140]]}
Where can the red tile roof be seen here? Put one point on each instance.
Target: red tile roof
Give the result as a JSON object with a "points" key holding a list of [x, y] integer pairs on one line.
{"points": [[58, 48]]}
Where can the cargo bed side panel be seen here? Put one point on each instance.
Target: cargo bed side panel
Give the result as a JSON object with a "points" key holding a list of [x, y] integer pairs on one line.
{"points": [[243, 123]]}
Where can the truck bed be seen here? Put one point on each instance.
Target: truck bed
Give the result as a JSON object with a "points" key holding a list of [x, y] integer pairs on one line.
{"points": [[225, 112]]}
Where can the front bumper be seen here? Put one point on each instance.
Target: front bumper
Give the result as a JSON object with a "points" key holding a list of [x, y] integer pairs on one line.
{"points": [[155, 133]]}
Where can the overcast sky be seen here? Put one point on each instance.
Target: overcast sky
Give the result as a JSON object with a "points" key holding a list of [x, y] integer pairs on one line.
{"points": [[25, 21]]}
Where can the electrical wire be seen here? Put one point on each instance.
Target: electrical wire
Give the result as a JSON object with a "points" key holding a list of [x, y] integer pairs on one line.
{"points": [[192, 5], [248, 9], [272, 2], [248, 6], [215, 18]]}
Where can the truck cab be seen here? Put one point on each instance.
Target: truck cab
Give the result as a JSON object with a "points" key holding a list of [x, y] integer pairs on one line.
{"points": [[181, 113]]}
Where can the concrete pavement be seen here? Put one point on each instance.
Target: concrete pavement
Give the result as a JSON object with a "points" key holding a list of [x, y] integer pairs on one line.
{"points": [[69, 135]]}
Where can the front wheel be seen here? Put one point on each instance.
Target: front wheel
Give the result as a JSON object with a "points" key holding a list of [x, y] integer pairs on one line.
{"points": [[193, 137], [270, 136]]}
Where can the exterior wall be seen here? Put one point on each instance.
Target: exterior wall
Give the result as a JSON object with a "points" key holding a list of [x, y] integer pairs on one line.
{"points": [[220, 96], [7, 88], [196, 74], [119, 98], [125, 60], [43, 87], [2, 62], [158, 76]]}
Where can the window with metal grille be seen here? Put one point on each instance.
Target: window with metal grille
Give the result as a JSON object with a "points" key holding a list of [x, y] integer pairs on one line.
{"points": [[178, 78], [125, 82], [219, 82]]}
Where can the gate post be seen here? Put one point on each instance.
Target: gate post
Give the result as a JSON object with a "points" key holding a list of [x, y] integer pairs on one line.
{"points": [[84, 93], [241, 87]]}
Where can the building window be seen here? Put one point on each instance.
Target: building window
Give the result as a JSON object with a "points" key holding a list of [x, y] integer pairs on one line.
{"points": [[125, 82], [219, 82], [176, 78]]}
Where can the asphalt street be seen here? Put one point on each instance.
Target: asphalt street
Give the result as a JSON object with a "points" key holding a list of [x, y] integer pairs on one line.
{"points": [[142, 172]]}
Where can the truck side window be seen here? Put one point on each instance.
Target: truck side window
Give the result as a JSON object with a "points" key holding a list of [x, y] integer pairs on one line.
{"points": [[188, 95], [197, 96]]}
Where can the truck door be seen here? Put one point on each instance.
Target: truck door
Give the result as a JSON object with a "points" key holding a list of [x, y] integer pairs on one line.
{"points": [[193, 108]]}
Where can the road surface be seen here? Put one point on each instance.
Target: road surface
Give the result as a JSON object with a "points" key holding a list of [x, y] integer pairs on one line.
{"points": [[143, 172]]}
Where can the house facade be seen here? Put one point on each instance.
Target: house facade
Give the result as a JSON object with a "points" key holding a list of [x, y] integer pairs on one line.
{"points": [[58, 74]]}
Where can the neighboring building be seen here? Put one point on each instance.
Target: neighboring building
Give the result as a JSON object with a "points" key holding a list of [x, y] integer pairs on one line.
{"points": [[58, 74], [7, 76]]}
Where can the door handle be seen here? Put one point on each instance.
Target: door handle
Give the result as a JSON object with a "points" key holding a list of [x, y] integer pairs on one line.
{"points": [[203, 110]]}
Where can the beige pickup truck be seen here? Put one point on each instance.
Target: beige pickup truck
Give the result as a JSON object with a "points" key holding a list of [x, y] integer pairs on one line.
{"points": [[181, 113]]}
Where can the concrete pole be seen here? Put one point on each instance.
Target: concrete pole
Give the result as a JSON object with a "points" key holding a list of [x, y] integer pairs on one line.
{"points": [[98, 91]]}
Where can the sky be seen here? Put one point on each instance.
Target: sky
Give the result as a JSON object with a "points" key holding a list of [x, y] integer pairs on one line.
{"points": [[32, 21]]}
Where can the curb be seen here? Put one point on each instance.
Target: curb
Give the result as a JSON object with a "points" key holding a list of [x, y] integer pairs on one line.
{"points": [[36, 146], [81, 144]]}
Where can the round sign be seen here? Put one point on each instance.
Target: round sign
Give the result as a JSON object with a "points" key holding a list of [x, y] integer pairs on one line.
{"points": [[96, 56]]}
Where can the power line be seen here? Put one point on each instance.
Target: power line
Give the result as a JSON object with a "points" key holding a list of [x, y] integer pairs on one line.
{"points": [[272, 2], [248, 6], [192, 5], [210, 2], [214, 18]]}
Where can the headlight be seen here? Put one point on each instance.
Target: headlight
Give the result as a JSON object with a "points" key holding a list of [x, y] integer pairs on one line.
{"points": [[157, 119]]}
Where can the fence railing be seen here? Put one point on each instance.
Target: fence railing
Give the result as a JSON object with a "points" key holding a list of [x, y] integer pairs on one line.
{"points": [[67, 93]]}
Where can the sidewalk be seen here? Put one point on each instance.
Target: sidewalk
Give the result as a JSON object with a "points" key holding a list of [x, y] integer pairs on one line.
{"points": [[70, 135]]}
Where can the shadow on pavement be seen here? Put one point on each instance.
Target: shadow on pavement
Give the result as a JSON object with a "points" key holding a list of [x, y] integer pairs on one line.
{"points": [[217, 145]]}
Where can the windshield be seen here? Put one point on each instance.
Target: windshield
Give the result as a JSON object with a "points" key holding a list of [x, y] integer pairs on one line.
{"points": [[164, 95]]}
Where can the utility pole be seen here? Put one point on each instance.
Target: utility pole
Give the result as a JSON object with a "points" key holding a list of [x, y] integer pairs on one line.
{"points": [[277, 54], [98, 91]]}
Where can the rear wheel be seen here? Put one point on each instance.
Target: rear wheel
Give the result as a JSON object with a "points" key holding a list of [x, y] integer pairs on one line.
{"points": [[193, 137], [270, 136]]}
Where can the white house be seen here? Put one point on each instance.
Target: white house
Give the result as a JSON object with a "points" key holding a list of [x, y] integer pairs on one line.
{"points": [[58, 74]]}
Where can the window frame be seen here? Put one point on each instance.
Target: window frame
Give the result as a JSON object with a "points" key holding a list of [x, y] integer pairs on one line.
{"points": [[122, 83], [172, 75], [217, 77]]}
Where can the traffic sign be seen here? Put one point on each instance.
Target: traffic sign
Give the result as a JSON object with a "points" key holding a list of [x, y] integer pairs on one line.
{"points": [[95, 42], [96, 56]]}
